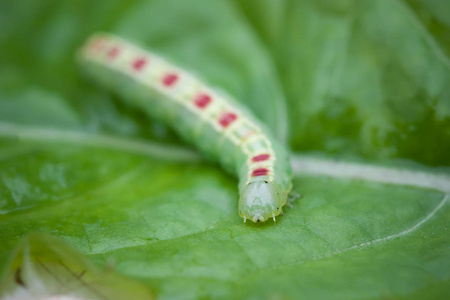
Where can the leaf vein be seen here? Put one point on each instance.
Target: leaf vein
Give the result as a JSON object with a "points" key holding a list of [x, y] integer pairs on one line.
{"points": [[376, 241]]}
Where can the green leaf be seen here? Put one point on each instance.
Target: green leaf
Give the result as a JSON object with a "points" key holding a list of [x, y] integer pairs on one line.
{"points": [[364, 77], [361, 80], [180, 232]]}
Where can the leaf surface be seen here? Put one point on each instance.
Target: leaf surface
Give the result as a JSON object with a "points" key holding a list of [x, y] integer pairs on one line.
{"points": [[361, 94]]}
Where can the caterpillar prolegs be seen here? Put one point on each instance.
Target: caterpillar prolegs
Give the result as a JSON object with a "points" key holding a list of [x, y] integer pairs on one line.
{"points": [[222, 129]]}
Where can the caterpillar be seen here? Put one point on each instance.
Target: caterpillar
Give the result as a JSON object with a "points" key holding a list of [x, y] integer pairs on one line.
{"points": [[222, 129]]}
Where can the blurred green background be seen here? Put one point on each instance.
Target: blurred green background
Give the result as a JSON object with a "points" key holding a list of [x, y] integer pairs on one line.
{"points": [[364, 78], [364, 81]]}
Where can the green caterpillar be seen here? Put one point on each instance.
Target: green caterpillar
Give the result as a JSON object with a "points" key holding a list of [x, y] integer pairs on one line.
{"points": [[221, 128]]}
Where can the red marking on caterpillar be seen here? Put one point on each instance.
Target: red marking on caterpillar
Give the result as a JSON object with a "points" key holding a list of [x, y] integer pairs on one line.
{"points": [[260, 172], [202, 100], [169, 79], [227, 118], [261, 157], [113, 52], [139, 63]]}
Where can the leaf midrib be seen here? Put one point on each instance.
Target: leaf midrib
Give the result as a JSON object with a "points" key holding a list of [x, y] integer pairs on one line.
{"points": [[302, 164]]}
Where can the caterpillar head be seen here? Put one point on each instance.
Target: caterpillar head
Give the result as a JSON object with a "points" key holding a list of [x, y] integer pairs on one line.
{"points": [[260, 201]]}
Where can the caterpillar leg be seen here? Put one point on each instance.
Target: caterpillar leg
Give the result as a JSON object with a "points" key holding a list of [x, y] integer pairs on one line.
{"points": [[292, 196]]}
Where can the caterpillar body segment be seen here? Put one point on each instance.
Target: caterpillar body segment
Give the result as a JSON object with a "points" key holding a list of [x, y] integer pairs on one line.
{"points": [[222, 129]]}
